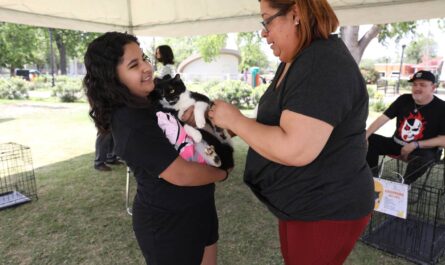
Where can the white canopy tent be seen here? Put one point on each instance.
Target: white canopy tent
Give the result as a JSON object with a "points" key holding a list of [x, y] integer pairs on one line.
{"points": [[194, 17]]}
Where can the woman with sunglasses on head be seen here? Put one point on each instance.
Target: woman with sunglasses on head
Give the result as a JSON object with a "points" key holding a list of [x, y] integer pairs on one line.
{"points": [[174, 214], [306, 160]]}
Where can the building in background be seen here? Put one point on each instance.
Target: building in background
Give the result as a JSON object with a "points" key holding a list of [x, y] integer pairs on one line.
{"points": [[391, 70], [223, 67]]}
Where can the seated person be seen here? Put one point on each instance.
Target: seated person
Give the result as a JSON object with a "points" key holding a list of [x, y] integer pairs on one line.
{"points": [[420, 128]]}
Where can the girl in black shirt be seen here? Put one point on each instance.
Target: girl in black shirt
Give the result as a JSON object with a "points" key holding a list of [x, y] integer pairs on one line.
{"points": [[174, 215]]}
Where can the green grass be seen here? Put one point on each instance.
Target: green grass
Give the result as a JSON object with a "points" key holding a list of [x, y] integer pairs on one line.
{"points": [[80, 216]]}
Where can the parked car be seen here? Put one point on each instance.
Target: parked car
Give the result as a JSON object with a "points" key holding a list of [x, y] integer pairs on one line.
{"points": [[27, 74]]}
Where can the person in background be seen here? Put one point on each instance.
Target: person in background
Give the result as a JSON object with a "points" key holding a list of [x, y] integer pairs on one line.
{"points": [[164, 55], [174, 214], [307, 152], [104, 153], [420, 128], [246, 74]]}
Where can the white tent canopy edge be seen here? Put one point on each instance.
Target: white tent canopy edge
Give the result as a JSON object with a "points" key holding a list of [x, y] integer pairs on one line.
{"points": [[194, 17]]}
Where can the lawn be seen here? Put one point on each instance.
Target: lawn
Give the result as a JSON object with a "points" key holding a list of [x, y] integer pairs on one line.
{"points": [[80, 216]]}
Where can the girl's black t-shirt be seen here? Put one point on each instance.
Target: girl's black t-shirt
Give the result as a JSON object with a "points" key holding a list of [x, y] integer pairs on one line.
{"points": [[143, 146], [324, 83]]}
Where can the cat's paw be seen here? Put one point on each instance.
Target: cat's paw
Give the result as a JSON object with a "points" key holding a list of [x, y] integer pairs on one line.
{"points": [[194, 133], [200, 123]]}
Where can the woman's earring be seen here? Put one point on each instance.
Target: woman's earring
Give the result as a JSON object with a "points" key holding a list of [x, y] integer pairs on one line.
{"points": [[297, 22]]}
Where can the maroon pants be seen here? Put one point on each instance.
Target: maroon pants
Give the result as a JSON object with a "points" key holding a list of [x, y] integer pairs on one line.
{"points": [[319, 242]]}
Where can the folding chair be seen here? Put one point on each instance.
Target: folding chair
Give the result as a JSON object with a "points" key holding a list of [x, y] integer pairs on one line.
{"points": [[439, 158]]}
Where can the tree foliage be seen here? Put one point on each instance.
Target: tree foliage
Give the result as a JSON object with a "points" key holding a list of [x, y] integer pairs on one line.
{"points": [[210, 46], [19, 45], [357, 45], [182, 47], [71, 43], [396, 31], [419, 47], [249, 44]]}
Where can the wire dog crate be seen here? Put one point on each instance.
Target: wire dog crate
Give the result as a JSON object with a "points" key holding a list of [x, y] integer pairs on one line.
{"points": [[17, 179], [420, 237]]}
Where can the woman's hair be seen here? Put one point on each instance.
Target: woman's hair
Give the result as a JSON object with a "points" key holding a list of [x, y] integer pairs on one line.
{"points": [[102, 86], [166, 53], [317, 19]]}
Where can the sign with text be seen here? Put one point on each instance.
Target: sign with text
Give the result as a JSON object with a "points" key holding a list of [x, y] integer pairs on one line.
{"points": [[391, 197]]}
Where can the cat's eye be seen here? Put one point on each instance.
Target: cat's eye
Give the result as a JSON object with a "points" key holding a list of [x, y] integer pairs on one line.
{"points": [[172, 91]]}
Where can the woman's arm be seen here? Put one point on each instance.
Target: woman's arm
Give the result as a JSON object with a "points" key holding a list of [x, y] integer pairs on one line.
{"points": [[183, 173], [297, 141]]}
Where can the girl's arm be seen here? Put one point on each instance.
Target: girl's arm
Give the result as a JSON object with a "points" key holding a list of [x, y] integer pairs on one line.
{"points": [[185, 173]]}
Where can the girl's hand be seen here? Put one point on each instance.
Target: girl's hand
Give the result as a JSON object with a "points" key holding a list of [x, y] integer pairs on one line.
{"points": [[189, 117], [223, 114]]}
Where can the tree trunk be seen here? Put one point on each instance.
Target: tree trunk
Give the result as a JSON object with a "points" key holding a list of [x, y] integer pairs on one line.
{"points": [[349, 35], [62, 51]]}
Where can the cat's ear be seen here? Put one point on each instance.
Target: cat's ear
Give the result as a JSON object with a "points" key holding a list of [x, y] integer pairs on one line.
{"points": [[177, 77], [167, 77]]}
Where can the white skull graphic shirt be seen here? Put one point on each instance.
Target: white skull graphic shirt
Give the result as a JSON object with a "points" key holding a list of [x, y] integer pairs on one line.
{"points": [[417, 122]]}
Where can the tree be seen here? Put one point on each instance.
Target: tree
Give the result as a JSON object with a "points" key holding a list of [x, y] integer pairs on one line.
{"points": [[210, 46], [419, 47], [249, 44], [71, 44], [350, 36], [19, 45], [182, 47]]}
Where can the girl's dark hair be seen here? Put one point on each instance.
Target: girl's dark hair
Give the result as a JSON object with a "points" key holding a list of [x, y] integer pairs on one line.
{"points": [[166, 53], [102, 86]]}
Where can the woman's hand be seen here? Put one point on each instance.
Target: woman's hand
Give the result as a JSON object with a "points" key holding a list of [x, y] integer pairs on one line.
{"points": [[223, 114]]}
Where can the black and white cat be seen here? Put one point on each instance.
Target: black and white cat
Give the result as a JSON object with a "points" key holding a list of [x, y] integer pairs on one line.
{"points": [[175, 96]]}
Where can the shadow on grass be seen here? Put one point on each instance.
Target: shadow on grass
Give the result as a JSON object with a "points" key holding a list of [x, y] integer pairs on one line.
{"points": [[80, 218]]}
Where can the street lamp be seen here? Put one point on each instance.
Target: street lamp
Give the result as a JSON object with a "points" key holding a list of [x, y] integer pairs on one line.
{"points": [[400, 69]]}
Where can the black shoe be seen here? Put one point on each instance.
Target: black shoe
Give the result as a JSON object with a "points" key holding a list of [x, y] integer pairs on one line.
{"points": [[115, 162], [102, 167]]}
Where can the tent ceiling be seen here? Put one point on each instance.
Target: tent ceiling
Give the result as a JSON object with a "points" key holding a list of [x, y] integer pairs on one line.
{"points": [[194, 17]]}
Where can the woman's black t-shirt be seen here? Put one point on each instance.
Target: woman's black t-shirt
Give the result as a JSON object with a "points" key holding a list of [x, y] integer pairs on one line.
{"points": [[142, 144], [324, 83]]}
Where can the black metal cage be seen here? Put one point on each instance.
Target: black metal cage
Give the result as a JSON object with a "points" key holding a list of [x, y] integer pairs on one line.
{"points": [[17, 179], [420, 237]]}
